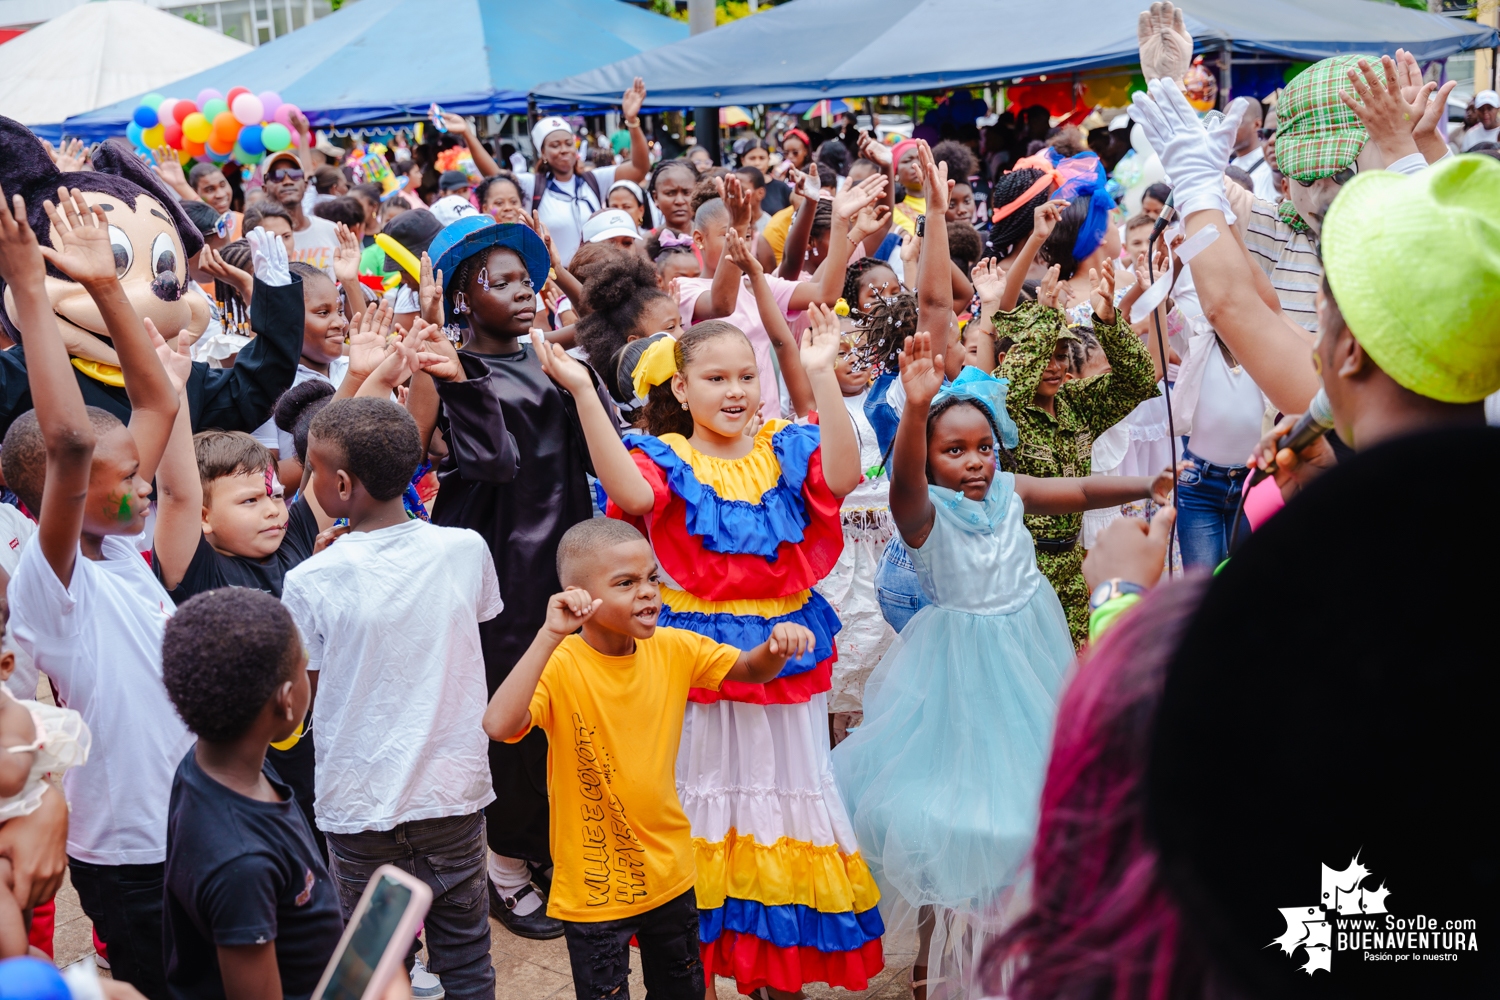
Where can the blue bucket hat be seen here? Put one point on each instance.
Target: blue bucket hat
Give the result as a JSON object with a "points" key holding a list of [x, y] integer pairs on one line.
{"points": [[462, 239]]}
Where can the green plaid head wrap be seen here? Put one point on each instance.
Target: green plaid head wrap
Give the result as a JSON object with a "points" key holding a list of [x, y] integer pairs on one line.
{"points": [[1316, 135]]}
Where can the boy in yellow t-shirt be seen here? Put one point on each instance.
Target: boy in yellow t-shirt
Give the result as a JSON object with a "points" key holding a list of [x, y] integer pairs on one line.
{"points": [[609, 689]]}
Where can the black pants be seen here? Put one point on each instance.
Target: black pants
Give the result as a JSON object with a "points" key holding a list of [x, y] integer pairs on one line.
{"points": [[668, 937], [125, 904], [516, 822], [448, 854]]}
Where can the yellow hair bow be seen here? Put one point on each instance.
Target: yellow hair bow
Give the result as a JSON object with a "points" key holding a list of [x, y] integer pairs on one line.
{"points": [[657, 364]]}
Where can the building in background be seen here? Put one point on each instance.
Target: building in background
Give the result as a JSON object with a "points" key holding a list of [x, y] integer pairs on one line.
{"points": [[253, 22]]}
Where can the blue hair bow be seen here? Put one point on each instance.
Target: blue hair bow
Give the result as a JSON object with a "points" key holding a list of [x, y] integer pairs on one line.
{"points": [[1083, 176], [989, 392]]}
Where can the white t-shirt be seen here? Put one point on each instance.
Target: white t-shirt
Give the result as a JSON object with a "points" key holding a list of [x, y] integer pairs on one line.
{"points": [[1227, 419], [99, 640], [1254, 163], [566, 207], [391, 622], [16, 530], [280, 441], [315, 244], [1478, 134], [746, 317]]}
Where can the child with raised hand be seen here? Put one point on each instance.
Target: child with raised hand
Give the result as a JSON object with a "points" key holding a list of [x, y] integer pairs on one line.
{"points": [[36, 740], [517, 472], [83, 602], [610, 689], [390, 617], [744, 526], [250, 907], [960, 709]]}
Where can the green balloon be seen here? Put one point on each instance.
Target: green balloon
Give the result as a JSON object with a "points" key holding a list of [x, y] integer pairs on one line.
{"points": [[214, 108], [276, 137], [152, 101], [240, 156]]}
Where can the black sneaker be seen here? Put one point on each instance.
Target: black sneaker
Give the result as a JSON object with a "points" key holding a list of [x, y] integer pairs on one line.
{"points": [[535, 925]]}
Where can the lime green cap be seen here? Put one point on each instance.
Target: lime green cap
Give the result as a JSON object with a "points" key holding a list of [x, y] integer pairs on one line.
{"points": [[1414, 263]]}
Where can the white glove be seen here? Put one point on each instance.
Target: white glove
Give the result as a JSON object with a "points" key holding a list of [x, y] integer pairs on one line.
{"points": [[268, 255], [1193, 155], [1166, 47]]}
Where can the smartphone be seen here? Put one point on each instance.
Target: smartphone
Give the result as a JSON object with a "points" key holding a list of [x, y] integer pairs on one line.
{"points": [[373, 948], [435, 115]]}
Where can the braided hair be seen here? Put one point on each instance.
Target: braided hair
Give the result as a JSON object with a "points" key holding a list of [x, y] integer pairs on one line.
{"points": [[1011, 231], [852, 278], [886, 327]]}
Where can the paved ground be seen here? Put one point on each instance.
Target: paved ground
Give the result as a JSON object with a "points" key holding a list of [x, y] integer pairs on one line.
{"points": [[524, 970]]}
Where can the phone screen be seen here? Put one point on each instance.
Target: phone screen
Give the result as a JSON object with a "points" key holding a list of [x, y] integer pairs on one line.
{"points": [[356, 965]]}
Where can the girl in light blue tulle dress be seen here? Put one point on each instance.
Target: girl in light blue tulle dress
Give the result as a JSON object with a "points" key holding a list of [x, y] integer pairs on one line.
{"points": [[943, 777]]}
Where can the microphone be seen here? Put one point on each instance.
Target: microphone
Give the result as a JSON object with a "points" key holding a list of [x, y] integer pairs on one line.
{"points": [[1311, 426], [1162, 221]]}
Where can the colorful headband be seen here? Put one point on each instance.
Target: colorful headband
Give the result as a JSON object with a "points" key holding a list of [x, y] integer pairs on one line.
{"points": [[989, 392], [1048, 178], [799, 134], [657, 364]]}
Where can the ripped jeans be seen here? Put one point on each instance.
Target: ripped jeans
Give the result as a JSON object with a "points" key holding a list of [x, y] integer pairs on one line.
{"points": [[668, 938]]}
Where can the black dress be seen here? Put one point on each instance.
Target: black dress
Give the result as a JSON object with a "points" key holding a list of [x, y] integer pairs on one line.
{"points": [[516, 472]]}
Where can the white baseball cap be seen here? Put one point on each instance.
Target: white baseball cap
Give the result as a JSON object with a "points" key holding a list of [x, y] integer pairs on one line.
{"points": [[1487, 99], [451, 208], [607, 225], [1119, 121], [546, 127]]}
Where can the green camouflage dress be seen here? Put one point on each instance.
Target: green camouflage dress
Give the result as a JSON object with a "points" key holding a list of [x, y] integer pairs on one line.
{"points": [[1062, 445]]}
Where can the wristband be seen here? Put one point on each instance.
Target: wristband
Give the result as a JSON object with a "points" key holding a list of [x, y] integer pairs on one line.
{"points": [[633, 122]]}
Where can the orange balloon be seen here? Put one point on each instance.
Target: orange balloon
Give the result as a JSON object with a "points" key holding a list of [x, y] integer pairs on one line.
{"points": [[226, 128], [196, 150], [219, 146]]}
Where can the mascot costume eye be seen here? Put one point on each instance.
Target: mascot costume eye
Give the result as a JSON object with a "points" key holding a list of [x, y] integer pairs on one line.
{"points": [[153, 240]]}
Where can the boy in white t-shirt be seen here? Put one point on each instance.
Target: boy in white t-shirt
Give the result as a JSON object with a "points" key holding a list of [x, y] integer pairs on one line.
{"points": [[390, 614], [83, 602]]}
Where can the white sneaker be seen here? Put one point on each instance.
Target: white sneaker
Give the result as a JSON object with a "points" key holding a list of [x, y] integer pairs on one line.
{"points": [[424, 985]]}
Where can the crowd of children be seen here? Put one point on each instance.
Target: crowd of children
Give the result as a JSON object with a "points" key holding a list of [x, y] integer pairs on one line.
{"points": [[711, 589]]}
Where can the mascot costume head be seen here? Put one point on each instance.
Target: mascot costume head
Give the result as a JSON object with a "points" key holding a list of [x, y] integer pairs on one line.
{"points": [[151, 234]]}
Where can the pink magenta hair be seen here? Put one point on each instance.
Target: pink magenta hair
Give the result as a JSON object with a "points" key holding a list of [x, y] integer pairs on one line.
{"points": [[1101, 923]]}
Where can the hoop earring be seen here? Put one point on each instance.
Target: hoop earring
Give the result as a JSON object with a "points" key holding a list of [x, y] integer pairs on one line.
{"points": [[460, 305]]}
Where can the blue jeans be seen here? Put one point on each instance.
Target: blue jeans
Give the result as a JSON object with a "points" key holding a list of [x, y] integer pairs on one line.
{"points": [[896, 586], [449, 855], [1207, 497]]}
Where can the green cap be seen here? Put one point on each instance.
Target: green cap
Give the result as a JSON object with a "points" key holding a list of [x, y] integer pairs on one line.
{"points": [[1316, 133], [1414, 263]]}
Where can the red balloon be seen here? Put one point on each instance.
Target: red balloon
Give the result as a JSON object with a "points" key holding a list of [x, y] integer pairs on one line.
{"points": [[182, 109], [172, 134], [236, 92]]}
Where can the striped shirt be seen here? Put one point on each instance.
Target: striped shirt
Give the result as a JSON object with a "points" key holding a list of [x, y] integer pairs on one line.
{"points": [[1290, 259]]}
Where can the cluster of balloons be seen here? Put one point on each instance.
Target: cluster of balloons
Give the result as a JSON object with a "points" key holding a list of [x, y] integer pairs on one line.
{"points": [[240, 126]]}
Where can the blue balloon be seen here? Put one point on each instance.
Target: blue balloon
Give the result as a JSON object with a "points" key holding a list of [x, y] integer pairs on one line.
{"points": [[250, 140], [144, 116], [32, 979], [133, 133], [208, 151]]}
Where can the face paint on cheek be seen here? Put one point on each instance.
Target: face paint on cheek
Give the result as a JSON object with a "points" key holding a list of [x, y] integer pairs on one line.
{"points": [[124, 511], [270, 482]]}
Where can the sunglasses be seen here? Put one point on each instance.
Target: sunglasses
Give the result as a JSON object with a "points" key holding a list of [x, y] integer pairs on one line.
{"points": [[284, 174], [224, 226], [1342, 177], [1265, 133]]}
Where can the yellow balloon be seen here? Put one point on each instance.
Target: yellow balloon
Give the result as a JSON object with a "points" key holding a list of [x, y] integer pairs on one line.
{"points": [[154, 136], [196, 128]]}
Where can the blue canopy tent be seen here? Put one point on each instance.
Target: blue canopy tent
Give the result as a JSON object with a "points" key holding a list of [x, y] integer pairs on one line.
{"points": [[812, 49], [391, 59]]}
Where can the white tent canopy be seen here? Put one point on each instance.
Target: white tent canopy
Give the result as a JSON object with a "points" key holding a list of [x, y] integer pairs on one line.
{"points": [[99, 53]]}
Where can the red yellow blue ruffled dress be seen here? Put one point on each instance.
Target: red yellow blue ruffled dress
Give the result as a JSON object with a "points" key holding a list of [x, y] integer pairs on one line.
{"points": [[784, 896]]}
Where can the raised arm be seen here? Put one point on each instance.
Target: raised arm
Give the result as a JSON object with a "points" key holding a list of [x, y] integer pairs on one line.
{"points": [[1106, 399], [460, 126], [508, 715], [570, 285], [829, 284], [1044, 220], [640, 148], [66, 431], [921, 377], [616, 470], [820, 355], [794, 250], [934, 268], [179, 491], [774, 320]]}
